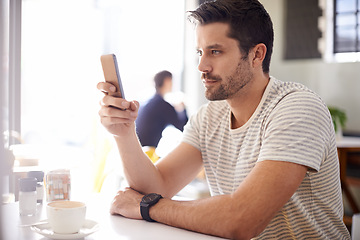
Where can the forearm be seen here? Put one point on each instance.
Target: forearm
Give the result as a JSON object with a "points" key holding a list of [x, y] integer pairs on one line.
{"points": [[139, 171], [245, 213], [214, 216], [118, 117]]}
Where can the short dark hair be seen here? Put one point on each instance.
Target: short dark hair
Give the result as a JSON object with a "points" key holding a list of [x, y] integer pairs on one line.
{"points": [[250, 24], [160, 77]]}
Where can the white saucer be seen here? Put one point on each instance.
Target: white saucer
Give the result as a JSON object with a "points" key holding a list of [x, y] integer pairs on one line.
{"points": [[44, 229]]}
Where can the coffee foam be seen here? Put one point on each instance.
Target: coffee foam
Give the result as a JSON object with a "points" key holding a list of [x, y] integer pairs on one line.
{"points": [[66, 204]]}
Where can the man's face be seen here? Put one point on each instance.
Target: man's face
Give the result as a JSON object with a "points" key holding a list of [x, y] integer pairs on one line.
{"points": [[224, 71], [167, 85]]}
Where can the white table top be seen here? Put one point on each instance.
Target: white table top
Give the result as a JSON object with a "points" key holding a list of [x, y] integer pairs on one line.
{"points": [[348, 142], [111, 227]]}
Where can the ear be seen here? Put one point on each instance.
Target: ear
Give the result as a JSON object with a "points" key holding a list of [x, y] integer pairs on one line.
{"points": [[258, 54]]}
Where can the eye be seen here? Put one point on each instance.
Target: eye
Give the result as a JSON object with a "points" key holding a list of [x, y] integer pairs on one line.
{"points": [[215, 52], [199, 52]]}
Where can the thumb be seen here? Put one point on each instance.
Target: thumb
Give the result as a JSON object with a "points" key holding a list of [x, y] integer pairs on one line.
{"points": [[134, 105]]}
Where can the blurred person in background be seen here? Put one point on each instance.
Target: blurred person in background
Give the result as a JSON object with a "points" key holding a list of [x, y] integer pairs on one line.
{"points": [[157, 113]]}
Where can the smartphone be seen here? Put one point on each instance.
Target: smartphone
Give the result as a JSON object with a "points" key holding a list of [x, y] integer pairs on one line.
{"points": [[111, 74]]}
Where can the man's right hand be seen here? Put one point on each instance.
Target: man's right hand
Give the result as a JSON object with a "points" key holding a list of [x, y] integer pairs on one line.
{"points": [[117, 114]]}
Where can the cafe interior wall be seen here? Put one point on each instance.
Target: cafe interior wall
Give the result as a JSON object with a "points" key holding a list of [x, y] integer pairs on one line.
{"points": [[337, 83]]}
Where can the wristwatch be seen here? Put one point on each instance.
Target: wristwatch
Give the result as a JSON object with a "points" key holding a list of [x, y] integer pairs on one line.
{"points": [[146, 202]]}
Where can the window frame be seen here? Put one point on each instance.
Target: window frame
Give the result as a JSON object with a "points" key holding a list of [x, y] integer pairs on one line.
{"points": [[11, 69], [10, 28], [327, 43], [336, 27]]}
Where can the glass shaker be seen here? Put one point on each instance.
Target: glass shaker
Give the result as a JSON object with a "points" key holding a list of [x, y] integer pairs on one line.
{"points": [[39, 175], [27, 196]]}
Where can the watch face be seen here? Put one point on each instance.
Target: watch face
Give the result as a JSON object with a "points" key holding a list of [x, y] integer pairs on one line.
{"points": [[150, 197]]}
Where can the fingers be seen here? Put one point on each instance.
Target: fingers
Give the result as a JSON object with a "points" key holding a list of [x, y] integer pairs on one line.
{"points": [[126, 203], [117, 115], [108, 101], [120, 104], [113, 207], [115, 102], [110, 116], [134, 105], [115, 203], [106, 87]]}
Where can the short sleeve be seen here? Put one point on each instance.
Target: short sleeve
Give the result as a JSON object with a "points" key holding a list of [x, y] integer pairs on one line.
{"points": [[298, 130]]}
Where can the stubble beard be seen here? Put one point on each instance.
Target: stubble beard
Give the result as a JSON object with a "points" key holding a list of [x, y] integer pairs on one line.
{"points": [[233, 84]]}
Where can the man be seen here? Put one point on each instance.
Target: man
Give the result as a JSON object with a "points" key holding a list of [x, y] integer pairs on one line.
{"points": [[158, 113], [268, 147]]}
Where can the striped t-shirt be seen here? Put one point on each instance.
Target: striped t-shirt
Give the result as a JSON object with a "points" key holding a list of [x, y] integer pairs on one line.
{"points": [[290, 124]]}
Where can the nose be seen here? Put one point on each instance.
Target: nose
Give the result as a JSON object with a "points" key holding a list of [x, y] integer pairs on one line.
{"points": [[204, 64]]}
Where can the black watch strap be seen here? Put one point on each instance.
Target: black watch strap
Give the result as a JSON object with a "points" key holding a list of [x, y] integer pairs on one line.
{"points": [[145, 204], [144, 210]]}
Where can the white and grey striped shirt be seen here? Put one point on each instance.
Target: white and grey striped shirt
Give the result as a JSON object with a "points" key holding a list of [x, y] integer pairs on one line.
{"points": [[290, 124]]}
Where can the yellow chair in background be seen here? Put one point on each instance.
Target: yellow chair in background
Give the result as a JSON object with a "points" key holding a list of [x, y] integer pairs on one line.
{"points": [[101, 156], [151, 153]]}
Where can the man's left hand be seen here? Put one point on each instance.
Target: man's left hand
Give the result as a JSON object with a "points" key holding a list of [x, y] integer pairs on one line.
{"points": [[127, 204]]}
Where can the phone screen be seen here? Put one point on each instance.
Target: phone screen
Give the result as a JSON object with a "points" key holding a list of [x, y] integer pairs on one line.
{"points": [[111, 74]]}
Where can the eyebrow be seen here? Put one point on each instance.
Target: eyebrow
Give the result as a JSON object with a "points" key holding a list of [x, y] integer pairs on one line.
{"points": [[216, 45]]}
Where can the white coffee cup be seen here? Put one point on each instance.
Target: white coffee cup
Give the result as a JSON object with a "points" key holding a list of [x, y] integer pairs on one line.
{"points": [[66, 217]]}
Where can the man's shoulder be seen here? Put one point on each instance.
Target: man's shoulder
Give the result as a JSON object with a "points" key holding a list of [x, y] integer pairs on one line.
{"points": [[292, 90], [279, 87]]}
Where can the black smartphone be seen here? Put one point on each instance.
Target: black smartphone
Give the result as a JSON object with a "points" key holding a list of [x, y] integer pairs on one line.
{"points": [[111, 74]]}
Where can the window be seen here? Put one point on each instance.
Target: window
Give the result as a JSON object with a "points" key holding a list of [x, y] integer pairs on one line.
{"points": [[55, 47], [341, 30], [346, 26], [61, 46]]}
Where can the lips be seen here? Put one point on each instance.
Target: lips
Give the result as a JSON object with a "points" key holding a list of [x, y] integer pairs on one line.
{"points": [[208, 79], [209, 83]]}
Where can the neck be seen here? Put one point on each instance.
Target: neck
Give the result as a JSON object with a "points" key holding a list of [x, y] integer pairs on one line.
{"points": [[245, 103], [161, 93]]}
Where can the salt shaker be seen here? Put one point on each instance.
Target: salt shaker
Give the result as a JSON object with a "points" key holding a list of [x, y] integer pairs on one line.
{"points": [[27, 196], [39, 175]]}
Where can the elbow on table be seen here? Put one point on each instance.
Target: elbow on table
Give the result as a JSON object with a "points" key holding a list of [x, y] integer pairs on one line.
{"points": [[242, 232], [237, 235], [242, 235]]}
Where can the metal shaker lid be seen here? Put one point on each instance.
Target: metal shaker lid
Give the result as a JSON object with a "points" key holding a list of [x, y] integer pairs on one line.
{"points": [[27, 184]]}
